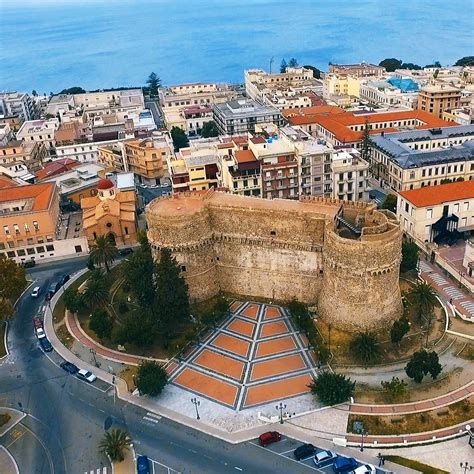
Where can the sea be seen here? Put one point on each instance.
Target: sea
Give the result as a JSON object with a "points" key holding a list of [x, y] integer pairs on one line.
{"points": [[49, 45]]}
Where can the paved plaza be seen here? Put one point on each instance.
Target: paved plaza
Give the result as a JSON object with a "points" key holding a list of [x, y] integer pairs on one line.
{"points": [[255, 357]]}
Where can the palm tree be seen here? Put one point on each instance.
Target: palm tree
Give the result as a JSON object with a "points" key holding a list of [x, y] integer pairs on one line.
{"points": [[96, 293], [114, 443], [364, 346], [422, 298], [103, 251]]}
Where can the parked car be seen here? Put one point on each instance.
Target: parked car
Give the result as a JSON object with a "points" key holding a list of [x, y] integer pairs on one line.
{"points": [[46, 345], [143, 466], [64, 279], [125, 251], [40, 333], [344, 465], [84, 374], [52, 290], [28, 264], [37, 322], [68, 367], [304, 451], [269, 437], [324, 458], [36, 291], [365, 469]]}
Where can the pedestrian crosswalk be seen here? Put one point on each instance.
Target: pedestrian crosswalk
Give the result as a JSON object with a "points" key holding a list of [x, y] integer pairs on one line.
{"points": [[469, 307], [424, 267], [99, 470], [453, 293], [439, 280], [152, 418]]}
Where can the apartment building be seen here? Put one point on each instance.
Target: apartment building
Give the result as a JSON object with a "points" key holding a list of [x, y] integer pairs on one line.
{"points": [[418, 158], [461, 116], [240, 116], [350, 175], [18, 104], [335, 86], [296, 87], [6, 134], [357, 70], [116, 100], [30, 154], [437, 98], [190, 118], [385, 94], [437, 214], [39, 131], [30, 225]]}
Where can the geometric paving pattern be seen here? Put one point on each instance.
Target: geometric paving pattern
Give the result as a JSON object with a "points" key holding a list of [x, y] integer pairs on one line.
{"points": [[255, 357]]}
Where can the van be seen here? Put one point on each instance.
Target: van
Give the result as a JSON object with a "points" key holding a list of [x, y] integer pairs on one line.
{"points": [[269, 437]]}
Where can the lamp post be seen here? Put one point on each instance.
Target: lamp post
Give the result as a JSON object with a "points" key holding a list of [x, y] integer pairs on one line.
{"points": [[196, 403], [362, 434], [281, 407], [92, 351], [466, 466]]}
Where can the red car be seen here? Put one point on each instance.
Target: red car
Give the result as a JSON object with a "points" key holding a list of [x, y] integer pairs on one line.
{"points": [[37, 322], [269, 437]]}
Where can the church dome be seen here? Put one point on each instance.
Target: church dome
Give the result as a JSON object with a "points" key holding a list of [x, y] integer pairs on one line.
{"points": [[105, 184]]}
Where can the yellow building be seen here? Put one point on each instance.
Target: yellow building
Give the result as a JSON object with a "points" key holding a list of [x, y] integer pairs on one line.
{"points": [[341, 85], [110, 212], [437, 98]]}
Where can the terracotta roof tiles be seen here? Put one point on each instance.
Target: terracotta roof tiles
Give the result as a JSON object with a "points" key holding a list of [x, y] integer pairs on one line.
{"points": [[40, 193], [433, 195]]}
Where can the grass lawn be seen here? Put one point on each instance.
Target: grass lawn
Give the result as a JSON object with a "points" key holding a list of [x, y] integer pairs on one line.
{"points": [[4, 419], [127, 375], [418, 422], [417, 466], [468, 352], [3, 349]]}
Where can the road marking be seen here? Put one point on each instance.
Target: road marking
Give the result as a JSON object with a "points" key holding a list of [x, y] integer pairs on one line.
{"points": [[289, 451], [48, 455], [150, 419], [16, 436], [238, 468]]}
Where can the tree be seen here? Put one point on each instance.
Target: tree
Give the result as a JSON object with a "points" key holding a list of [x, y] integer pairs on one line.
{"points": [[366, 145], [465, 61], [12, 284], [137, 328], [138, 271], [409, 256], [72, 90], [103, 251], [436, 64], [283, 66], [34, 93], [399, 329], [390, 202], [316, 71], [209, 129], [101, 323], [293, 62], [96, 293], [114, 443], [172, 301], [154, 83], [73, 300], [180, 140], [422, 297], [396, 387], [151, 378], [364, 346], [331, 388], [423, 363], [391, 64], [416, 67]]}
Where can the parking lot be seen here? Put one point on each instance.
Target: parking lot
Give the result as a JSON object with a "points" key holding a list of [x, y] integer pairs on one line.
{"points": [[285, 448]]}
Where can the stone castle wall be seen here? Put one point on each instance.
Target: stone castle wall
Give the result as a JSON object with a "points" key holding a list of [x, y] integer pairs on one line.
{"points": [[282, 250]]}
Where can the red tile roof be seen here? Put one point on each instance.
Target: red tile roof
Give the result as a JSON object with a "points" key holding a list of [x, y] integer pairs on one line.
{"points": [[245, 156], [41, 193], [6, 182], [433, 195], [56, 167]]}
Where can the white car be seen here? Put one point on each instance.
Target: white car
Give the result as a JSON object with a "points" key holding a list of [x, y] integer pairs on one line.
{"points": [[40, 333], [324, 457], [36, 291], [84, 374], [365, 469]]}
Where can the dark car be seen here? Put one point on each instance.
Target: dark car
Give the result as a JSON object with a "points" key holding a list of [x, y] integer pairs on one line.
{"points": [[143, 466], [46, 345], [51, 292], [125, 251], [269, 437], [37, 322], [343, 464], [68, 367], [304, 451], [64, 279], [28, 264]]}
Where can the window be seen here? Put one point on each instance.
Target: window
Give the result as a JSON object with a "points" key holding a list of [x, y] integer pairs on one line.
{"points": [[6, 230], [21, 252], [40, 249], [126, 230], [407, 207], [36, 225], [17, 229], [50, 248], [78, 248], [11, 254], [429, 213], [466, 206], [31, 251], [456, 207], [272, 232]]}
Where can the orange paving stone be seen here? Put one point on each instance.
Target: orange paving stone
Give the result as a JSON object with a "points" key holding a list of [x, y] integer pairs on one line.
{"points": [[281, 365], [208, 386], [235, 306], [220, 363], [272, 329], [171, 367], [241, 327], [275, 346], [272, 312], [231, 344], [251, 311], [269, 391]]}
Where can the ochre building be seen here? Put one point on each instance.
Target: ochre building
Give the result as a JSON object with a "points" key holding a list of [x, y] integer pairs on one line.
{"points": [[342, 256]]}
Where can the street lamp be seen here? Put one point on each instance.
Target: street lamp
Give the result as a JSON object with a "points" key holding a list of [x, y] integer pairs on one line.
{"points": [[93, 352], [281, 407], [196, 403], [466, 466]]}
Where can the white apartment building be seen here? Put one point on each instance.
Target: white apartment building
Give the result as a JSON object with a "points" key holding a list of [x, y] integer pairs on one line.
{"points": [[437, 213], [18, 104], [87, 152], [39, 131], [382, 93], [350, 175], [126, 99]]}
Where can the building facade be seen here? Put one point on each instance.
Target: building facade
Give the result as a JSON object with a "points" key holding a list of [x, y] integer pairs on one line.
{"points": [[437, 98], [18, 104], [350, 176]]}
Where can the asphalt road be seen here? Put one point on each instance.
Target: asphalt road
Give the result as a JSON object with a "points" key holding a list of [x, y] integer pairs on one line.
{"points": [[66, 417], [155, 111]]}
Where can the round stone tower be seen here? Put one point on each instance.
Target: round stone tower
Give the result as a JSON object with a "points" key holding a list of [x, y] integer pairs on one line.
{"points": [[362, 253]]}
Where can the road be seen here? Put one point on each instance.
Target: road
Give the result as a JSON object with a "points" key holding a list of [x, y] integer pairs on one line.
{"points": [[67, 417], [155, 111]]}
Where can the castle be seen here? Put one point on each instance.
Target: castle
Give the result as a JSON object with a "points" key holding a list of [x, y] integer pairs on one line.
{"points": [[342, 256]]}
